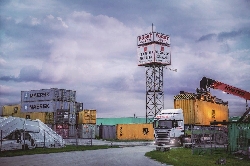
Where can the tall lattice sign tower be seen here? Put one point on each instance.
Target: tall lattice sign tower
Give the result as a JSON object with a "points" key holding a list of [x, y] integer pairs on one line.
{"points": [[153, 51]]}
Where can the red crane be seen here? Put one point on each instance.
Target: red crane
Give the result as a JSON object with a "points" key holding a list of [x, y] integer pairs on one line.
{"points": [[207, 83]]}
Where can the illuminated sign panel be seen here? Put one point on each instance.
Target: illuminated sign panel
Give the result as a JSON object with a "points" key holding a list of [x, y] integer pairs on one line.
{"points": [[155, 37], [153, 53]]}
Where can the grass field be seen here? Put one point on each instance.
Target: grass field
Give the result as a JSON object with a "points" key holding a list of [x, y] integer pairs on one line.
{"points": [[68, 148], [184, 157]]}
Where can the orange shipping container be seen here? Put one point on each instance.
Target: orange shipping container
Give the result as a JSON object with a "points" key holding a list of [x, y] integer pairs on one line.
{"points": [[135, 132], [201, 110]]}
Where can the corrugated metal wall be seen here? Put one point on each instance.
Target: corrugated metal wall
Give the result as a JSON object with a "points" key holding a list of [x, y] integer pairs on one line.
{"points": [[106, 131], [209, 111], [188, 110], [86, 130]]}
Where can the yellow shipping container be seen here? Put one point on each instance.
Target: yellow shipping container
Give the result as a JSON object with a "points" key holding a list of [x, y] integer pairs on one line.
{"points": [[19, 115], [135, 132], [9, 110], [200, 111], [49, 117], [87, 117], [32, 115]]}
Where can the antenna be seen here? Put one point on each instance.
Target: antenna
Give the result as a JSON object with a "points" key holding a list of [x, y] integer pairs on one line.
{"points": [[152, 27]]}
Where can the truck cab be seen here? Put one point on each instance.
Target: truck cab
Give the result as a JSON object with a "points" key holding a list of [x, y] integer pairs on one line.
{"points": [[169, 127]]}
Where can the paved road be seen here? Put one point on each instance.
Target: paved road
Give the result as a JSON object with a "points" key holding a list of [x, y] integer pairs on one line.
{"points": [[125, 156]]}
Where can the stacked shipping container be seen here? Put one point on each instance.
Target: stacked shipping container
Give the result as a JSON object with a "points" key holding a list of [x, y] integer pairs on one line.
{"points": [[86, 120], [48, 102]]}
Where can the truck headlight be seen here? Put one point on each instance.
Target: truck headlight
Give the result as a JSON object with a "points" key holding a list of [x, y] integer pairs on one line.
{"points": [[172, 141]]}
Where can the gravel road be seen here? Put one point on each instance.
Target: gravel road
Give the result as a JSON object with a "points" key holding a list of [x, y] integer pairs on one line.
{"points": [[124, 156]]}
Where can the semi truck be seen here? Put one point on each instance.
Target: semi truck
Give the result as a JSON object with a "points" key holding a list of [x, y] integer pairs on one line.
{"points": [[192, 112], [195, 111], [169, 127]]}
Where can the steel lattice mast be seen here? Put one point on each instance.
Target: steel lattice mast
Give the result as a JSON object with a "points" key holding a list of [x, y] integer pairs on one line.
{"points": [[154, 53], [154, 90]]}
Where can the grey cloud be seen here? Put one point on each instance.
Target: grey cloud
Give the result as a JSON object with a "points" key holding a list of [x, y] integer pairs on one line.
{"points": [[225, 35], [27, 74], [232, 34], [8, 78], [207, 37]]}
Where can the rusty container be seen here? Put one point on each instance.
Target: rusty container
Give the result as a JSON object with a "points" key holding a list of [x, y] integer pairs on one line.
{"points": [[63, 132], [87, 117], [135, 132]]}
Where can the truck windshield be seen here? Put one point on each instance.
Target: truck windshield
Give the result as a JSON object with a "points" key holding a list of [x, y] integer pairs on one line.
{"points": [[163, 124]]}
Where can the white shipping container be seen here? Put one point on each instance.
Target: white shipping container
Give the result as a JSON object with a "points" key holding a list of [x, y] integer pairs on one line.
{"points": [[78, 106], [70, 95], [47, 106], [48, 94], [66, 105], [41, 95], [86, 130]]}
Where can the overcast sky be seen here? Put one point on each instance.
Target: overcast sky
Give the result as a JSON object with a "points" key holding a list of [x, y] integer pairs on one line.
{"points": [[90, 46]]}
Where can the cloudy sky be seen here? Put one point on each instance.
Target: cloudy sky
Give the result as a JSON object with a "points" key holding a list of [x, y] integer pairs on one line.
{"points": [[90, 46]]}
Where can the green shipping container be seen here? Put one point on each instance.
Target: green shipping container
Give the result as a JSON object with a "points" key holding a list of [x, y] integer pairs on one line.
{"points": [[124, 120]]}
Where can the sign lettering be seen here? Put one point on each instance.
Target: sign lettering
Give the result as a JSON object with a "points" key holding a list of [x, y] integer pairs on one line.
{"points": [[42, 94], [39, 106], [234, 90], [153, 37]]}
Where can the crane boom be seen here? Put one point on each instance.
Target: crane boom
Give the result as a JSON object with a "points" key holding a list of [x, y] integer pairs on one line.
{"points": [[210, 83]]}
